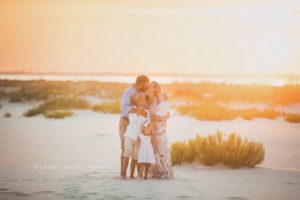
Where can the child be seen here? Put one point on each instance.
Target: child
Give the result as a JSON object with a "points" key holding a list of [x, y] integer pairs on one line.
{"points": [[160, 126], [146, 154], [163, 107], [137, 116]]}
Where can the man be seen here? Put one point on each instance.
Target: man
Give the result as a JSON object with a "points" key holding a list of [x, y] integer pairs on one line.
{"points": [[141, 85]]}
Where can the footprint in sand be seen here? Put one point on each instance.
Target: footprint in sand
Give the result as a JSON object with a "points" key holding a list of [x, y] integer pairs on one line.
{"points": [[44, 192], [15, 193], [290, 183], [236, 198], [91, 193], [183, 197]]}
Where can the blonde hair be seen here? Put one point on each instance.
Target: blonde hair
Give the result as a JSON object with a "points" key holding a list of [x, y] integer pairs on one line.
{"points": [[135, 97]]}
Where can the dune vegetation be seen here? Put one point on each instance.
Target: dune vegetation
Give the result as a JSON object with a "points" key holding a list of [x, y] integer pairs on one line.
{"points": [[204, 101], [231, 151], [293, 118], [43, 90], [216, 112], [226, 93], [58, 114], [58, 103], [107, 107]]}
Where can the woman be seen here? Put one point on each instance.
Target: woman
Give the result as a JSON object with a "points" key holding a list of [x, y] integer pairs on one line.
{"points": [[163, 166]]}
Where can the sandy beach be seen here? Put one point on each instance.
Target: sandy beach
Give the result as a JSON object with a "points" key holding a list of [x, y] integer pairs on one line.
{"points": [[78, 158], [204, 96]]}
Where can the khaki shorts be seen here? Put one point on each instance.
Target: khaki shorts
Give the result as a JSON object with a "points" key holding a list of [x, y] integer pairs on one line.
{"points": [[122, 129], [131, 148]]}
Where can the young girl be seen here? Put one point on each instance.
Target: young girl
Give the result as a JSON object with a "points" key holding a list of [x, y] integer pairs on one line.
{"points": [[146, 154], [137, 116]]}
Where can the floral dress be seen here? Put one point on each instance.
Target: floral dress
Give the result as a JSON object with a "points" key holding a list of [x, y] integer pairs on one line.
{"points": [[163, 167]]}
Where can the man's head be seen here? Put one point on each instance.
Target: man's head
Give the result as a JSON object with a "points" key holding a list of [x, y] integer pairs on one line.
{"points": [[141, 83]]}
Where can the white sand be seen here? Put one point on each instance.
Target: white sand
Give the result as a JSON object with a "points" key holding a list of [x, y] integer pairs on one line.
{"points": [[88, 145]]}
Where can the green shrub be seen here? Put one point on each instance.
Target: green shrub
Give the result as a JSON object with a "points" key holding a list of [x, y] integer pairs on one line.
{"points": [[178, 152], [0, 106], [58, 103], [107, 107], [239, 152], [210, 149], [232, 151], [191, 150], [58, 114]]}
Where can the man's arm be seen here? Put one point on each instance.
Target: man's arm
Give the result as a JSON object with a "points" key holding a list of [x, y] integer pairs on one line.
{"points": [[125, 105]]}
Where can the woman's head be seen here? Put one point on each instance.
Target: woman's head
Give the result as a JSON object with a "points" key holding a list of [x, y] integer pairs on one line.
{"points": [[153, 92], [156, 88], [138, 99]]}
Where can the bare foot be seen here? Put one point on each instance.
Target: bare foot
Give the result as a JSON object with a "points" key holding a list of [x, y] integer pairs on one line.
{"points": [[122, 177]]}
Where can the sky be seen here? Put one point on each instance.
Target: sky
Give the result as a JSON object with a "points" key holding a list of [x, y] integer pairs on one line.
{"points": [[153, 36]]}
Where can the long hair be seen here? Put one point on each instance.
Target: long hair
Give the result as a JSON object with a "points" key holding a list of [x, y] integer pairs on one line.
{"points": [[157, 88]]}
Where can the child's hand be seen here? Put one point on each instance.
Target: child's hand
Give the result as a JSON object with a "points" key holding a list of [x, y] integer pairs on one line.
{"points": [[142, 112], [133, 110]]}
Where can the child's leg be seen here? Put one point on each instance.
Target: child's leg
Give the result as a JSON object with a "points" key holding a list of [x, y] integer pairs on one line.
{"points": [[128, 148], [134, 158], [138, 165], [121, 159], [147, 166], [142, 166], [132, 167], [124, 167]]}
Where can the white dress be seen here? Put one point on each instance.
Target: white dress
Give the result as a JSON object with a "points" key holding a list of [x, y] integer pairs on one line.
{"points": [[135, 125], [146, 154]]}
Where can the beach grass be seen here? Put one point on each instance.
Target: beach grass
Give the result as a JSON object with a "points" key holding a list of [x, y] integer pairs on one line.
{"points": [[231, 150], [58, 114], [204, 101], [107, 107], [43, 90], [58, 103], [215, 112], [226, 93], [189, 92]]}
